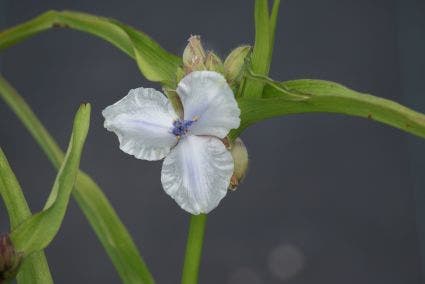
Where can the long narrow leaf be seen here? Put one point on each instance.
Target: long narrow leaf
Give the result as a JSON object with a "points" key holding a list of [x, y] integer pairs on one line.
{"points": [[155, 63], [272, 30], [36, 232], [94, 204], [34, 269], [328, 97], [260, 57]]}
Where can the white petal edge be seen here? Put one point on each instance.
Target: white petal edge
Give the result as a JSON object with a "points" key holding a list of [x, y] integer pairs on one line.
{"points": [[197, 172], [143, 121], [207, 97]]}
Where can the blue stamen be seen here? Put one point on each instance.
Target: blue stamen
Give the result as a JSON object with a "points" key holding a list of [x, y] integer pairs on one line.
{"points": [[181, 127]]}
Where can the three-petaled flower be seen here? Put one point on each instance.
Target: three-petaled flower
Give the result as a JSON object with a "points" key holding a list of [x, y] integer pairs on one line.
{"points": [[197, 168]]}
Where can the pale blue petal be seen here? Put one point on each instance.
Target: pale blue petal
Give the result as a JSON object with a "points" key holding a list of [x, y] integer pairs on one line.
{"points": [[197, 172], [143, 121], [207, 98]]}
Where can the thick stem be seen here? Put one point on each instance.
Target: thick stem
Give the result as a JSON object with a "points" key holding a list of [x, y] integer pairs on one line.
{"points": [[195, 240]]}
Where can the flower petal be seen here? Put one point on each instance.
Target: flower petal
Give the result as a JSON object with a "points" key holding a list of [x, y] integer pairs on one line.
{"points": [[143, 121], [197, 173], [207, 97]]}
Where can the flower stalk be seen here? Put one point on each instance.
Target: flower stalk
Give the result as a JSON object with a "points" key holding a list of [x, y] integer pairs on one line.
{"points": [[194, 244]]}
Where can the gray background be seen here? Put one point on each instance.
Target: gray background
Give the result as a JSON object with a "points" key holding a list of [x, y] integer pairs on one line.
{"points": [[328, 199]]}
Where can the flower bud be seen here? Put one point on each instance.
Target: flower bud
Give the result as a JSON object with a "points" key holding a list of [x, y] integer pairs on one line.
{"points": [[214, 63], [234, 63], [10, 260], [241, 161], [194, 55]]}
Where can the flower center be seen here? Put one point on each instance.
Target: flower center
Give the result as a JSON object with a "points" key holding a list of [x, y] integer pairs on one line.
{"points": [[181, 127]]}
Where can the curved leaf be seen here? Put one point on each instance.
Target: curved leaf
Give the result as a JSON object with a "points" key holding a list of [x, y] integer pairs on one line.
{"points": [[327, 97], [154, 62], [36, 232]]}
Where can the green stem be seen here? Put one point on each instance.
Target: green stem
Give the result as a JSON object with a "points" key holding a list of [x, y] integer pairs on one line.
{"points": [[195, 240]]}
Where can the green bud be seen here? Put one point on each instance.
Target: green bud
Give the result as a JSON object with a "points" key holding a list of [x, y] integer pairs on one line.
{"points": [[194, 55], [234, 63], [10, 260], [240, 160], [214, 63]]}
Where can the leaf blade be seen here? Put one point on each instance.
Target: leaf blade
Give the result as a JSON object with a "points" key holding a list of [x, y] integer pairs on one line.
{"points": [[35, 268], [148, 54], [260, 56], [273, 21], [328, 97], [155, 63], [36, 232]]}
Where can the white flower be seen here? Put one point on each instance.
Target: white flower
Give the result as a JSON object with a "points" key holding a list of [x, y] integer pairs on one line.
{"points": [[197, 167]]}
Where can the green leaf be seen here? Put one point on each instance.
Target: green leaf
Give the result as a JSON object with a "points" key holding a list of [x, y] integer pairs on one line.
{"points": [[34, 269], [113, 235], [36, 232], [262, 52], [11, 192], [273, 20], [111, 231], [260, 56], [327, 97], [154, 62]]}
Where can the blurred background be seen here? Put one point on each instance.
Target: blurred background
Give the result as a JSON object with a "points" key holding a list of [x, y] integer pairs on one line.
{"points": [[328, 199]]}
